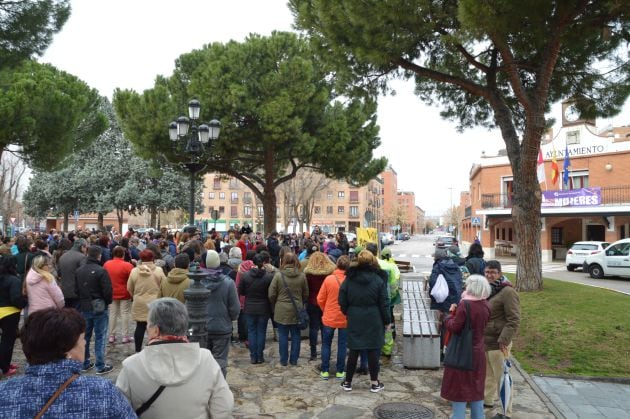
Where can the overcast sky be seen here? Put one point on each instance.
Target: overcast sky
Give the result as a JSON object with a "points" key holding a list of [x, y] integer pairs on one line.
{"points": [[126, 43]]}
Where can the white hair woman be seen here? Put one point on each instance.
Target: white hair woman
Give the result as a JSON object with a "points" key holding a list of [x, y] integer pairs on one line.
{"points": [[186, 378], [462, 386]]}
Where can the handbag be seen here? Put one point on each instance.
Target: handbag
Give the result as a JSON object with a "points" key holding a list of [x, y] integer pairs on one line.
{"points": [[145, 406], [459, 352], [440, 290], [301, 313], [98, 306], [60, 390]]}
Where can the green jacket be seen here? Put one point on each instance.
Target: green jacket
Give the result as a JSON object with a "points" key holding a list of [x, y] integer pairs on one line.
{"points": [[505, 316], [283, 310], [175, 284], [363, 299]]}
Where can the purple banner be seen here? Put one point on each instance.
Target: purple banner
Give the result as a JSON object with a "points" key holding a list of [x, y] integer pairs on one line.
{"points": [[585, 197]]}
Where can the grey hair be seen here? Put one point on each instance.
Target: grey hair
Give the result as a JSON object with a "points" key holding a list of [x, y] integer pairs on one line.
{"points": [[78, 244], [478, 286], [170, 315], [235, 253]]}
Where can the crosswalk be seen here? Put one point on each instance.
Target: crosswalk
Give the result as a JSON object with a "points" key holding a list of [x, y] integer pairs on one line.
{"points": [[405, 255], [546, 267]]}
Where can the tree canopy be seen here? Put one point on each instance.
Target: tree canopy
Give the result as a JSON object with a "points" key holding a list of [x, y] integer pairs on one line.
{"points": [[47, 113], [498, 63], [27, 28], [278, 108]]}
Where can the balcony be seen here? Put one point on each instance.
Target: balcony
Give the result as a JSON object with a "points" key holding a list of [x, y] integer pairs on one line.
{"points": [[353, 216], [233, 200], [247, 201], [247, 216], [353, 200], [610, 196]]}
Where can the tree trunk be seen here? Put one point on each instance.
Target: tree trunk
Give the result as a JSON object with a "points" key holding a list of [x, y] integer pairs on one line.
{"points": [[119, 214], [66, 216], [269, 193], [159, 221], [99, 222], [153, 217]]}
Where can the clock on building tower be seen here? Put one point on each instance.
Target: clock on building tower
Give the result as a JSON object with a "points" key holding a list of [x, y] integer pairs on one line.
{"points": [[571, 115]]}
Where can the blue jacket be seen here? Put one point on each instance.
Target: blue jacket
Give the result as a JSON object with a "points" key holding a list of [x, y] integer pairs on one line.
{"points": [[453, 276], [85, 397]]}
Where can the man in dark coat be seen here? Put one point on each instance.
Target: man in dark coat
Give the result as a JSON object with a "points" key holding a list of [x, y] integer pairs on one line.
{"points": [[68, 264], [273, 247], [94, 288]]}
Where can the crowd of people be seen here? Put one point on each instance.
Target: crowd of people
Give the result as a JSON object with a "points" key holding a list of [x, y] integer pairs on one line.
{"points": [[100, 281]]}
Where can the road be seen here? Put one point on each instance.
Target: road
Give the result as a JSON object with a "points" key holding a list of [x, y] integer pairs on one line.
{"points": [[419, 251]]}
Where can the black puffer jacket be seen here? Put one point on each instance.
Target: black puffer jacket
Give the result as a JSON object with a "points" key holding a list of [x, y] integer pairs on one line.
{"points": [[11, 292], [255, 286]]}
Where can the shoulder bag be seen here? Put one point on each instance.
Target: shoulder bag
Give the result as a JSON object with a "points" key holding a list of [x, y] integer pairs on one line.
{"points": [[145, 406], [57, 393], [459, 352], [302, 314]]}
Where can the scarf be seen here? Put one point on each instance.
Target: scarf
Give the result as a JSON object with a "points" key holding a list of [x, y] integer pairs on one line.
{"points": [[168, 339]]}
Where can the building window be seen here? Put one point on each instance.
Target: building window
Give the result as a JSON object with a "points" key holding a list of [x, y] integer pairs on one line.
{"points": [[211, 209], [260, 211], [217, 183], [507, 191], [573, 137], [211, 195], [317, 209], [329, 209], [247, 211], [221, 210], [247, 197], [556, 235], [233, 183], [354, 211], [578, 179], [354, 196], [340, 209], [233, 211], [329, 195], [234, 197], [341, 194], [221, 195]]}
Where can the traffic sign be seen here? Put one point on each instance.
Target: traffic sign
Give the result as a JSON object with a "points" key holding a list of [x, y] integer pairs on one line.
{"points": [[475, 221]]}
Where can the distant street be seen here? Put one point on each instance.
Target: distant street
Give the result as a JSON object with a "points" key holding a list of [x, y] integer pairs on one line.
{"points": [[419, 251]]}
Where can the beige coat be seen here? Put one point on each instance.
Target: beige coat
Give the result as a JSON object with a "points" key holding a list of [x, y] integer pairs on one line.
{"points": [[175, 284], [194, 384], [144, 287]]}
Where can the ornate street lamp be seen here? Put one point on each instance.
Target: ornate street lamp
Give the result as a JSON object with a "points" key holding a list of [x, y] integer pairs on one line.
{"points": [[193, 142]]}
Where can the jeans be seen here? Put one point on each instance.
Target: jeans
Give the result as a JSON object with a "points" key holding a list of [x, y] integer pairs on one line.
{"points": [[98, 324], [283, 343], [315, 325], [9, 327], [327, 339], [219, 345], [257, 333], [476, 410]]}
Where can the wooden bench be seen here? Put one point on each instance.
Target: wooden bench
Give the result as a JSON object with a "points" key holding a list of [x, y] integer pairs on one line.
{"points": [[404, 266]]}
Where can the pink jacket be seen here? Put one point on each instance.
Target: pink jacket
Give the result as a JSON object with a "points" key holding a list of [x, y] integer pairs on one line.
{"points": [[42, 293]]}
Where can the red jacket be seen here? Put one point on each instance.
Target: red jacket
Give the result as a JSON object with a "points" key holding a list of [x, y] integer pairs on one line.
{"points": [[119, 271]]}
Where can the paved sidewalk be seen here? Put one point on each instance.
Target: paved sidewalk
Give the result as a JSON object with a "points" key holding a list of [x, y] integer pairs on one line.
{"points": [[585, 399]]}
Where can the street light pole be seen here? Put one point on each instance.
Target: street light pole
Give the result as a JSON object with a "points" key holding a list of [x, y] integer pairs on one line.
{"points": [[192, 141]]}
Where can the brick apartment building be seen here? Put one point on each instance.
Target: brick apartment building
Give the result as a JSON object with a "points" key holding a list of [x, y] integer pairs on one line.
{"points": [[593, 205]]}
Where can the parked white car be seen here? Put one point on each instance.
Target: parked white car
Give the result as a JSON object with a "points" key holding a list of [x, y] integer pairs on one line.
{"points": [[580, 250], [613, 261]]}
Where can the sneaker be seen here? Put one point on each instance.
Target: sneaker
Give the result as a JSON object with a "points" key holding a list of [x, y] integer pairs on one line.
{"points": [[127, 339], [346, 386], [340, 375], [112, 339], [324, 375], [375, 388], [105, 370], [87, 367]]}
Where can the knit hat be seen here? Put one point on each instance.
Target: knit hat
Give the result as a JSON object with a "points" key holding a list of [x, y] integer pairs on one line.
{"points": [[440, 254], [212, 260]]}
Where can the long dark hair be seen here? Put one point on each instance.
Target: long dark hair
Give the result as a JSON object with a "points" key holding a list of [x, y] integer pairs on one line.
{"points": [[8, 265]]}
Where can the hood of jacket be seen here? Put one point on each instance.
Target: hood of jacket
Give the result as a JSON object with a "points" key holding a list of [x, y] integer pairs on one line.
{"points": [[214, 279], [290, 271], [33, 277], [170, 363], [235, 262], [246, 265], [356, 273], [448, 266], [258, 273], [146, 268], [177, 275], [325, 270]]}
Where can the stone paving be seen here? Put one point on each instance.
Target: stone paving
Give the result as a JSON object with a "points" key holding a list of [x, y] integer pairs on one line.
{"points": [[271, 390]]}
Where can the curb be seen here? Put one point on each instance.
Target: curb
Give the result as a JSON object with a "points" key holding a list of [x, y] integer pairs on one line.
{"points": [[552, 408], [612, 380]]}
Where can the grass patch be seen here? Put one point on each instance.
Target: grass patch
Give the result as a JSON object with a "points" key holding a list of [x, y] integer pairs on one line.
{"points": [[574, 329]]}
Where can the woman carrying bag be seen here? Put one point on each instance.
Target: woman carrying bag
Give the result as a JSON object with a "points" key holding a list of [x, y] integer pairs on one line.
{"points": [[460, 386]]}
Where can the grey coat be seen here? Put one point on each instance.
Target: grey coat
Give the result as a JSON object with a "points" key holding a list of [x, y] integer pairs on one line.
{"points": [[223, 304], [68, 264]]}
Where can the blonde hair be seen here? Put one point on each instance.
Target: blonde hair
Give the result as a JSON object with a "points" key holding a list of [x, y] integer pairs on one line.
{"points": [[209, 244], [38, 264], [366, 257], [320, 262]]}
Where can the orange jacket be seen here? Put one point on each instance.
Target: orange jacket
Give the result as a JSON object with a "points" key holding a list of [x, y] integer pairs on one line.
{"points": [[327, 300]]}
